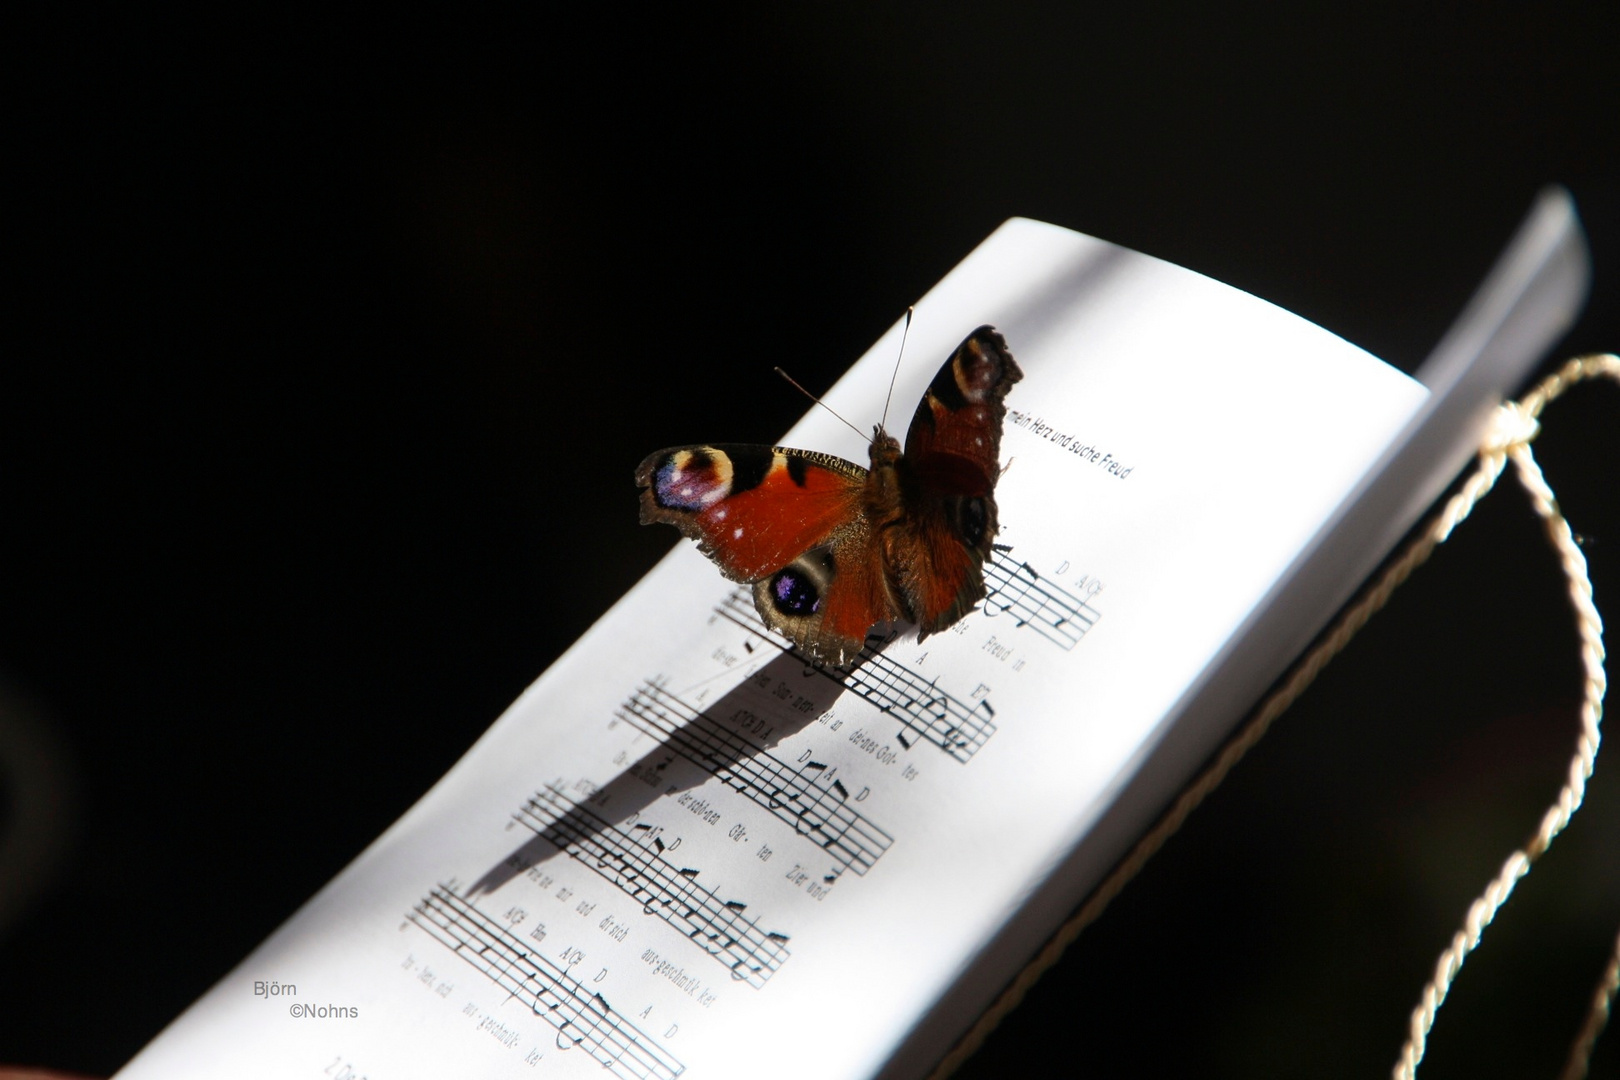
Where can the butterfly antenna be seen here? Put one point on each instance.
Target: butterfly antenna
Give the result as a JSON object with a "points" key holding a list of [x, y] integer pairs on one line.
{"points": [[794, 383], [905, 330]]}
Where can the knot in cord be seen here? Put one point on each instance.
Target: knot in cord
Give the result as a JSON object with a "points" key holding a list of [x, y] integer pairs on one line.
{"points": [[1513, 424]]}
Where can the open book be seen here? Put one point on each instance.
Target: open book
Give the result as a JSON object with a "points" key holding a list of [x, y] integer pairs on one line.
{"points": [[686, 850]]}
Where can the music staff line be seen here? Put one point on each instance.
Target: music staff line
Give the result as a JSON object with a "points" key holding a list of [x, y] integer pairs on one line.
{"points": [[818, 811], [1016, 589], [583, 1019], [926, 713], [637, 867]]}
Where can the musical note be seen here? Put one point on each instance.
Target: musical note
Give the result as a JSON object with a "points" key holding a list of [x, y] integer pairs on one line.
{"points": [[753, 771], [583, 1021], [1032, 601], [924, 710], [671, 894]]}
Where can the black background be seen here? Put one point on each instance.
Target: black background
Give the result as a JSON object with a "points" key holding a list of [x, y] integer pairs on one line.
{"points": [[331, 344]]}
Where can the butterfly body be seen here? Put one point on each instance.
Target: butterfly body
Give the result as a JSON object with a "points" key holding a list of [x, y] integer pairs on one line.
{"points": [[831, 548]]}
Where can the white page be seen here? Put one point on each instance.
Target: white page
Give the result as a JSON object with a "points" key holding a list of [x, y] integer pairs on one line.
{"points": [[1173, 444]]}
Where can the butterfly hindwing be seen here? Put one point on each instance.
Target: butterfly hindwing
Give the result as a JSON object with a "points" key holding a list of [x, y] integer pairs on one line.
{"points": [[949, 539], [828, 598]]}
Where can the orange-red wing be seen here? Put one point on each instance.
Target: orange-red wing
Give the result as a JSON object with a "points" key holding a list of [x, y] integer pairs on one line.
{"points": [[752, 509], [858, 596], [943, 576], [827, 599], [954, 442]]}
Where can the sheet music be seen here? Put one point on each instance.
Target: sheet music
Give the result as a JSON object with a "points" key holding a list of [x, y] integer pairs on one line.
{"points": [[687, 851]]}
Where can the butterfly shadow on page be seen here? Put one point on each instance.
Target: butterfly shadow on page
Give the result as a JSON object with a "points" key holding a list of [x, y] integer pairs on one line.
{"points": [[733, 740]]}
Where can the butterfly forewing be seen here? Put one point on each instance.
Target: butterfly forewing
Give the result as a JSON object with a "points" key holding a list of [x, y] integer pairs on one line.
{"points": [[954, 442], [752, 509]]}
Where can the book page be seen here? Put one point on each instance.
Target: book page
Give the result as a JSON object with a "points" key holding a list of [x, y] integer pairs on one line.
{"points": [[686, 851]]}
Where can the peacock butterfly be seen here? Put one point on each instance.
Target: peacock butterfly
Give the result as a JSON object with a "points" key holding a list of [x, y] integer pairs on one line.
{"points": [[831, 548]]}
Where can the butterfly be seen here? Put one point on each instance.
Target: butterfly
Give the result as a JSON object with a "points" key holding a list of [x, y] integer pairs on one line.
{"points": [[831, 548]]}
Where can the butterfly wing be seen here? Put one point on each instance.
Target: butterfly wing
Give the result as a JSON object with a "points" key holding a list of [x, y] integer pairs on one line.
{"points": [[953, 455], [792, 523], [827, 599], [954, 442]]}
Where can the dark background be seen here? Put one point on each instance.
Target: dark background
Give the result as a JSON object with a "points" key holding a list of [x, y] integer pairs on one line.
{"points": [[331, 345]]}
